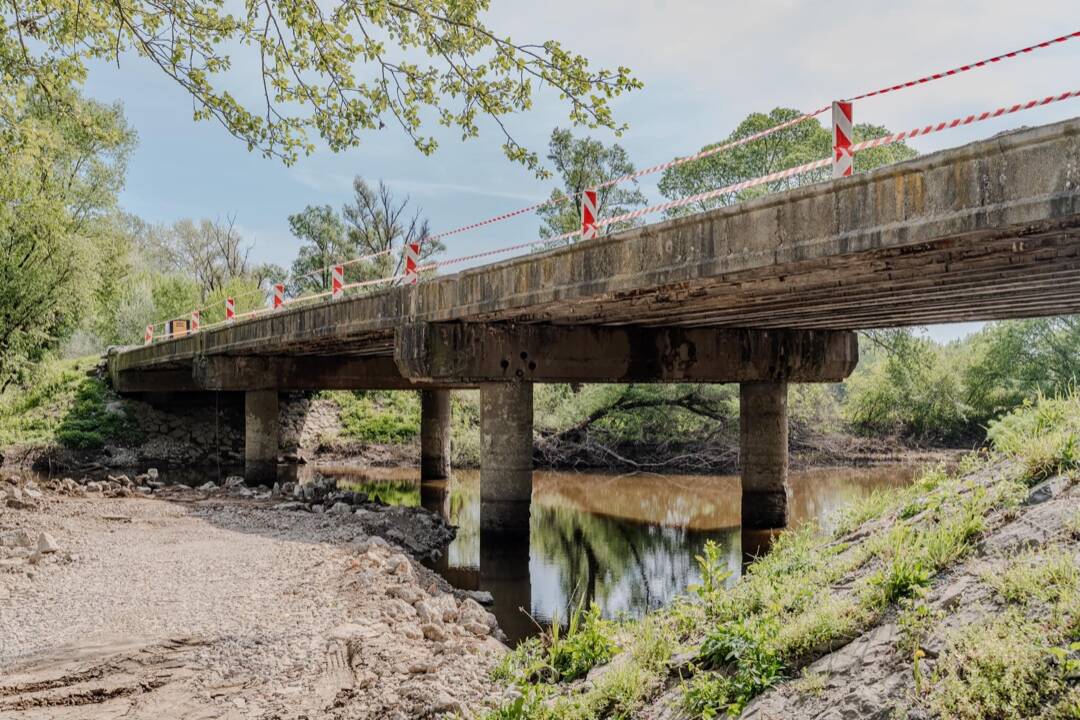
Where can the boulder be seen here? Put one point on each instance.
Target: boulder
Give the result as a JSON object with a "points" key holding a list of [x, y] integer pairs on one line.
{"points": [[46, 544], [208, 487], [341, 508]]}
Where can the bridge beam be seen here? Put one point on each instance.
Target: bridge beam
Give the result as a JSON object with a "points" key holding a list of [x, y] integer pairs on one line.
{"points": [[434, 434], [261, 431], [506, 445], [295, 374], [763, 454], [477, 353]]}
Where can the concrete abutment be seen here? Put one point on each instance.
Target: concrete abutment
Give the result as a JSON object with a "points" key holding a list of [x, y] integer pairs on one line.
{"points": [[506, 464]]}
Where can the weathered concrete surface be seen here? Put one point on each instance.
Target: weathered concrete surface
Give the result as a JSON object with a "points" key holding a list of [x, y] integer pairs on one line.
{"points": [[474, 352], [261, 372], [434, 434], [985, 231], [261, 433], [506, 444], [763, 454]]}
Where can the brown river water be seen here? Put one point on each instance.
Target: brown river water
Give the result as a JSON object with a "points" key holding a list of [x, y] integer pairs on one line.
{"points": [[625, 542]]}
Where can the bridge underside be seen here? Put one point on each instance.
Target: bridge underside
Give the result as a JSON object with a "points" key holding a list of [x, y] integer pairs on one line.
{"points": [[763, 293]]}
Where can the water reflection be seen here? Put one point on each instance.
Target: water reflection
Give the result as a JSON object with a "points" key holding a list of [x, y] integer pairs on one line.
{"points": [[626, 542]]}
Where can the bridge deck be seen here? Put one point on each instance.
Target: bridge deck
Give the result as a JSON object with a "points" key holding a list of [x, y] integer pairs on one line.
{"points": [[986, 231]]}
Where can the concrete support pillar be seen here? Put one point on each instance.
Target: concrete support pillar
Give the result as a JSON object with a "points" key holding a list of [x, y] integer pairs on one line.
{"points": [[260, 435], [506, 442], [763, 450], [434, 434]]}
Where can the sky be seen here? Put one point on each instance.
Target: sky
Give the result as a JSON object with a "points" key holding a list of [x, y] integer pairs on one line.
{"points": [[705, 65]]}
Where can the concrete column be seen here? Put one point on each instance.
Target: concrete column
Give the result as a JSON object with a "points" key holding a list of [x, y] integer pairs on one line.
{"points": [[260, 435], [506, 442], [434, 434], [763, 441]]}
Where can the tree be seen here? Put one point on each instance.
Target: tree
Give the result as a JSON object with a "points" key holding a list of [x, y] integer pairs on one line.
{"points": [[63, 161], [379, 222], [801, 143], [1016, 360], [211, 251], [581, 163], [325, 243], [341, 68]]}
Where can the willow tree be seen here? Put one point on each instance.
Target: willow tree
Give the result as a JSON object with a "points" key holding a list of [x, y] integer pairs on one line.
{"points": [[338, 70]]}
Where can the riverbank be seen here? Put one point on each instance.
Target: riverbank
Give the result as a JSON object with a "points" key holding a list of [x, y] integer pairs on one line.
{"points": [[172, 602], [955, 597]]}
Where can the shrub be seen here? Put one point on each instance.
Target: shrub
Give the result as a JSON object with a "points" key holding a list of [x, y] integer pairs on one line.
{"points": [[379, 416]]}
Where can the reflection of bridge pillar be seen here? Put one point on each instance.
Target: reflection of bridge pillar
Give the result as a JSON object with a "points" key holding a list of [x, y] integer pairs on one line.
{"points": [[506, 441], [504, 572], [434, 434], [260, 435], [763, 439]]}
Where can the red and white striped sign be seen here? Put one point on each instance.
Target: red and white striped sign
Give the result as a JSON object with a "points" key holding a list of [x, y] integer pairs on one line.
{"points": [[279, 295], [195, 316], [843, 156], [149, 336], [412, 262], [337, 281], [230, 309], [588, 214]]}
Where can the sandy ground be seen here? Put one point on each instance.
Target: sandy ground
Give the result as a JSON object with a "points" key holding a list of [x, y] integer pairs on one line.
{"points": [[166, 608]]}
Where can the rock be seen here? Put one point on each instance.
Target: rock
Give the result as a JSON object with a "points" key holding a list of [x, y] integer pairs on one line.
{"points": [[341, 508], [477, 629], [234, 481], [46, 544], [407, 592], [208, 487], [32, 493], [292, 507], [93, 486], [423, 665], [437, 609], [142, 479], [482, 597], [143, 490], [153, 473], [445, 704], [155, 484], [17, 538], [434, 632]]}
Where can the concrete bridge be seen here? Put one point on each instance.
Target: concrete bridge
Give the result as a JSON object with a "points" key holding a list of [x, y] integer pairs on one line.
{"points": [[764, 293]]}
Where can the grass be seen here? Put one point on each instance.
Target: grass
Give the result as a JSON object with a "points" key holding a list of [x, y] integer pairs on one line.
{"points": [[560, 655], [62, 405], [1001, 669], [1044, 436]]}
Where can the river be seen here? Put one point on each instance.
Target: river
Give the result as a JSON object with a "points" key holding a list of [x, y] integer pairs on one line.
{"points": [[625, 542]]}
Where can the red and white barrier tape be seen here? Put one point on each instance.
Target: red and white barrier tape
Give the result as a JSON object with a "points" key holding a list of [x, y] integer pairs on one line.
{"points": [[965, 68], [970, 119]]}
